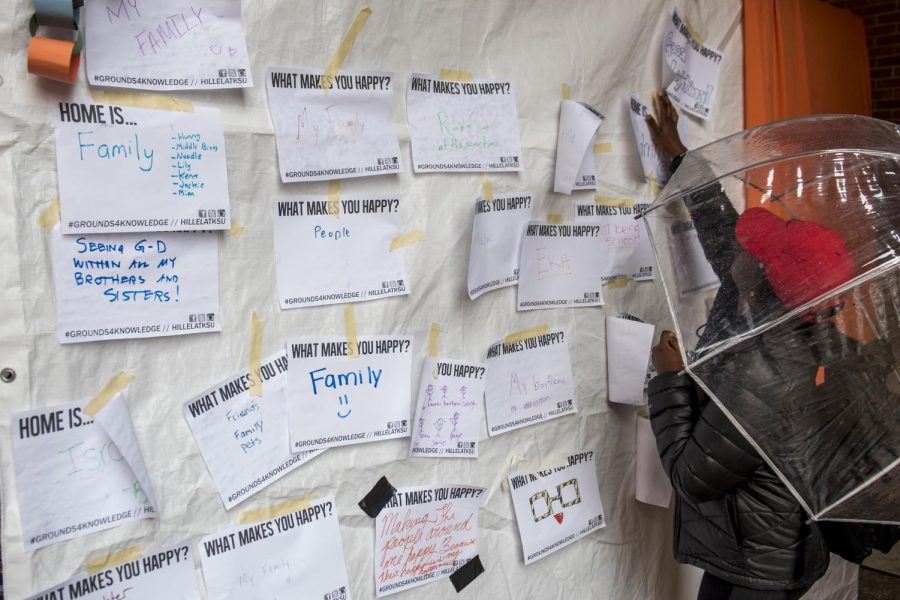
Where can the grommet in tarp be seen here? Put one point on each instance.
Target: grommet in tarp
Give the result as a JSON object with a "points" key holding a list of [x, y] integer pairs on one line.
{"points": [[7, 375]]}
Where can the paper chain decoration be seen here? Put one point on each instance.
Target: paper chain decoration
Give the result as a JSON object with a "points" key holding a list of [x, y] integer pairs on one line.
{"points": [[53, 58]]}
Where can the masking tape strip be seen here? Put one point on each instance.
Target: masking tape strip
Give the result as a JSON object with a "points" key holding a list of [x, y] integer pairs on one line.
{"points": [[408, 238], [602, 147], [142, 101], [566, 92], [526, 333], [334, 199], [337, 59], [273, 511], [618, 282], [487, 190], [610, 201], [651, 179], [113, 559], [434, 336], [113, 387], [694, 33], [456, 75], [466, 574], [350, 330], [236, 229], [256, 335], [49, 217], [554, 219]]}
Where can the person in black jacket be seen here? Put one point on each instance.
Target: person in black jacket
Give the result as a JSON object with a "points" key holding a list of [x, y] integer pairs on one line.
{"points": [[734, 517]]}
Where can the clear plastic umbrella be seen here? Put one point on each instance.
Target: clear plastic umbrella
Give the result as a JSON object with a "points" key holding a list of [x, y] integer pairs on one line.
{"points": [[787, 312]]}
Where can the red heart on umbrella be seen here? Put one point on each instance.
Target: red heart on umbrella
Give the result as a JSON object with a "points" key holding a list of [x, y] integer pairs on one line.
{"points": [[802, 259], [559, 517]]}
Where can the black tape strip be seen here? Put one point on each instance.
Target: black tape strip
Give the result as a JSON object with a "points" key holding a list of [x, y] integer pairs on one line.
{"points": [[466, 574], [377, 497]]}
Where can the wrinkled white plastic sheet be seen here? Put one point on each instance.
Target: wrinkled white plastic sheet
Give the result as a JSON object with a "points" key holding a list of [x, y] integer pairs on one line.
{"points": [[604, 50]]}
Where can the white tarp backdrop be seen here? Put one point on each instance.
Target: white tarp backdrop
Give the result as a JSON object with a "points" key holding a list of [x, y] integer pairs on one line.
{"points": [[604, 50]]}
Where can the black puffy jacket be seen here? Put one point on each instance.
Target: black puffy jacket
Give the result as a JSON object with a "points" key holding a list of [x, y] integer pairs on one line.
{"points": [[733, 516]]}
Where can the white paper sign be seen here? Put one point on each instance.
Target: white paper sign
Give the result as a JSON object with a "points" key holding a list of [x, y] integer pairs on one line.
{"points": [[76, 475], [693, 273], [347, 132], [652, 160], [320, 259], [625, 241], [628, 344], [462, 125], [695, 66], [586, 178], [424, 534], [651, 484], [558, 506], [528, 381], [336, 400], [496, 240], [562, 266], [448, 413], [296, 555], [243, 438], [135, 169], [161, 573], [575, 167], [172, 45], [132, 285]]}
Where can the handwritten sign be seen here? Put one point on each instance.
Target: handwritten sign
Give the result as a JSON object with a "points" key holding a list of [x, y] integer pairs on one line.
{"points": [[693, 273], [462, 125], [575, 166], [448, 413], [424, 534], [172, 45], [95, 464], [296, 555], [528, 382], [160, 573], [695, 67], [653, 161], [323, 260], [347, 133], [628, 344], [651, 483], [131, 285], [337, 399], [625, 242], [496, 239], [243, 438], [556, 507], [133, 169], [562, 266]]}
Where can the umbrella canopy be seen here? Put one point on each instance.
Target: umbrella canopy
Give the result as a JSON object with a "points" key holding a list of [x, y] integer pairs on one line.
{"points": [[788, 312]]}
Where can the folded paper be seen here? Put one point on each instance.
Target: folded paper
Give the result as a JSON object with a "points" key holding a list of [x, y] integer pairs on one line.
{"points": [[575, 167]]}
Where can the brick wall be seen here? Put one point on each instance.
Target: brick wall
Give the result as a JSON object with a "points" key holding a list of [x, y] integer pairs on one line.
{"points": [[882, 20]]}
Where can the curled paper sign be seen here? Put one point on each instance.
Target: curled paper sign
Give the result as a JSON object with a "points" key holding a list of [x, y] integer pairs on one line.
{"points": [[628, 346], [575, 168], [651, 484]]}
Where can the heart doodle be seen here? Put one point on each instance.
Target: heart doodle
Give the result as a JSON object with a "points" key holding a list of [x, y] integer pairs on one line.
{"points": [[232, 51]]}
